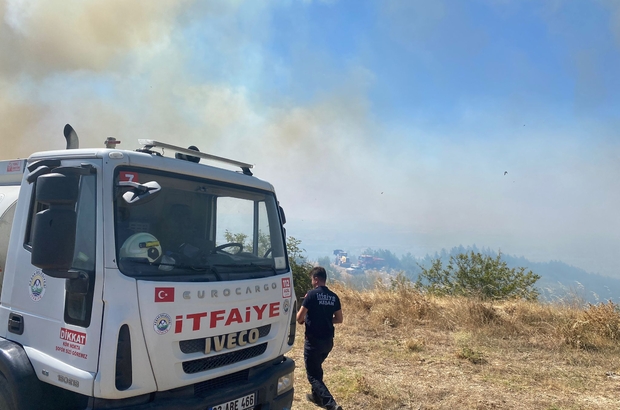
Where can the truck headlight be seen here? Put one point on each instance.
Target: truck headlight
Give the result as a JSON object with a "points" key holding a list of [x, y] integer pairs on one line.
{"points": [[285, 383]]}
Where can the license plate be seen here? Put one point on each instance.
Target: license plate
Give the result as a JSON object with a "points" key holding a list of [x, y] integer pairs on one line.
{"points": [[242, 403]]}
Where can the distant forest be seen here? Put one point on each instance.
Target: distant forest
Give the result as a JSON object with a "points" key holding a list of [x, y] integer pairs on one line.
{"points": [[559, 281]]}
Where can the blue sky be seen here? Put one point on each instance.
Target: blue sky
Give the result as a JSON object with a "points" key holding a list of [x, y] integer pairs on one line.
{"points": [[385, 124]]}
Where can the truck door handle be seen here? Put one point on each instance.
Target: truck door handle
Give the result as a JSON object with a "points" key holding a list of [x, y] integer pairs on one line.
{"points": [[16, 323]]}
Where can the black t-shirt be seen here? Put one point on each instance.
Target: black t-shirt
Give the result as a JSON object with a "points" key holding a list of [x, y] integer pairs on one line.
{"points": [[321, 304]]}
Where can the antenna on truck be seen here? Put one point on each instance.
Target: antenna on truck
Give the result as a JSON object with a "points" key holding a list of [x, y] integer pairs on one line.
{"points": [[189, 154]]}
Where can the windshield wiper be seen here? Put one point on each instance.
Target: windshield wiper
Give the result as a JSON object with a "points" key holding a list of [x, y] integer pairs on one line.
{"points": [[171, 264], [206, 268], [252, 265]]}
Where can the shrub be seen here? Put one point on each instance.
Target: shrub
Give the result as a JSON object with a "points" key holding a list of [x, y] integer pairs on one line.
{"points": [[300, 267], [477, 275]]}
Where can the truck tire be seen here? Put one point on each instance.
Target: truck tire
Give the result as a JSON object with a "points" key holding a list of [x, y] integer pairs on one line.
{"points": [[6, 397], [20, 389]]}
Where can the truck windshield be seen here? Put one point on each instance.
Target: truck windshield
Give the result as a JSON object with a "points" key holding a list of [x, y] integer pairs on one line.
{"points": [[177, 228]]}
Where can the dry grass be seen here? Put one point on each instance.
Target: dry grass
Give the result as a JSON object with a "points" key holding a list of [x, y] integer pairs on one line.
{"points": [[400, 349]]}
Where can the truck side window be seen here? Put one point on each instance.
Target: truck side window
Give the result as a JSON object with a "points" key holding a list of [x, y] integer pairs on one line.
{"points": [[78, 304], [34, 209], [84, 256]]}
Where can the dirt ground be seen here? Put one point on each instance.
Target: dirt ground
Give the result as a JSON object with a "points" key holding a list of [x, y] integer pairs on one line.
{"points": [[420, 365]]}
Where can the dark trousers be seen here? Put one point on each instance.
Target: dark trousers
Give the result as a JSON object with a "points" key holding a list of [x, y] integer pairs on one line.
{"points": [[315, 353]]}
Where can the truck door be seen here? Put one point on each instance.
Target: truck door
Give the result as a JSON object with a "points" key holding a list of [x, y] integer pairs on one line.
{"points": [[61, 316]]}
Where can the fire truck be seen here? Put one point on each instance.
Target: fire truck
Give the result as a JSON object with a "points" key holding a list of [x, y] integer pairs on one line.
{"points": [[370, 262], [136, 280], [342, 258]]}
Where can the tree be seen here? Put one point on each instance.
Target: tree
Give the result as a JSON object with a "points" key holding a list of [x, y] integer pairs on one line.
{"points": [[474, 274], [264, 241], [409, 264], [237, 238], [300, 267]]}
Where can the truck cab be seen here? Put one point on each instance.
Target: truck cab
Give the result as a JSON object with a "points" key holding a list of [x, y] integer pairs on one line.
{"points": [[135, 280]]}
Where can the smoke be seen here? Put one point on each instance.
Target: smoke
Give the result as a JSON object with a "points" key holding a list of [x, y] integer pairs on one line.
{"points": [[43, 37], [197, 73], [113, 68], [319, 154], [52, 49]]}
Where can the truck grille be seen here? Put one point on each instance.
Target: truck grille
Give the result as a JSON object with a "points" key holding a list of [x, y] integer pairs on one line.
{"points": [[198, 345], [222, 381], [208, 363]]}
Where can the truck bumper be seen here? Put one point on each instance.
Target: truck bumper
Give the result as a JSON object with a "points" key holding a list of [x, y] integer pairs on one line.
{"points": [[261, 380]]}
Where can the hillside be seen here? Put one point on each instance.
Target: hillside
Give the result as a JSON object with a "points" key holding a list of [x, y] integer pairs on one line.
{"points": [[558, 279], [399, 349]]}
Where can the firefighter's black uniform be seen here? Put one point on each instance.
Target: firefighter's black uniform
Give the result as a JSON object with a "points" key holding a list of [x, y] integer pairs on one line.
{"points": [[321, 304]]}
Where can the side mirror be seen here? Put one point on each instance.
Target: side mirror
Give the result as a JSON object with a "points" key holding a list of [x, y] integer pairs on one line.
{"points": [[53, 240], [58, 189], [282, 215], [53, 233]]}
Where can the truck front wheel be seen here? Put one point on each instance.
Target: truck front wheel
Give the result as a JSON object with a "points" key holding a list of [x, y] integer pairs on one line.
{"points": [[20, 389], [6, 395]]}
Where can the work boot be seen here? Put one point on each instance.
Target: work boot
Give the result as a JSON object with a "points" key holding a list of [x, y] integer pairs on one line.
{"points": [[314, 399]]}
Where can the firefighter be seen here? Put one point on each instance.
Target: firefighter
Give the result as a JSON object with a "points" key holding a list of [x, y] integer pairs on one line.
{"points": [[319, 311]]}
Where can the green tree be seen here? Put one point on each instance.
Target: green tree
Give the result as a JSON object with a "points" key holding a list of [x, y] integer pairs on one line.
{"points": [[264, 241], [477, 275], [300, 267], [237, 238], [409, 264]]}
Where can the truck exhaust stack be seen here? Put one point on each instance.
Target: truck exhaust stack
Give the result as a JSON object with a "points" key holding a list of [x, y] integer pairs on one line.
{"points": [[71, 136]]}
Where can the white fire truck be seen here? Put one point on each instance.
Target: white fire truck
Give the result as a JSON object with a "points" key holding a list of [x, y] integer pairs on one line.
{"points": [[132, 280]]}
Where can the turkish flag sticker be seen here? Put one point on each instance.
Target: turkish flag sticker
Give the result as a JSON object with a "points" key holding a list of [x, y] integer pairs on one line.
{"points": [[128, 177], [164, 294]]}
